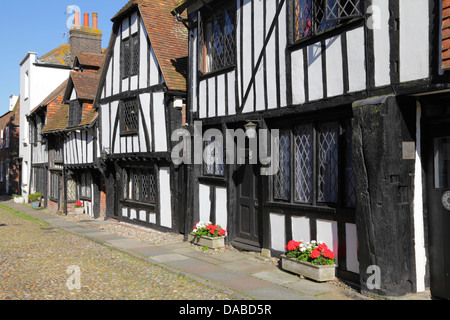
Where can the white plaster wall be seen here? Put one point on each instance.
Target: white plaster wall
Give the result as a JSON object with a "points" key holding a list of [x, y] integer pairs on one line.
{"points": [[165, 197], [352, 248], [278, 232], [381, 42], [356, 59], [301, 229], [327, 232]]}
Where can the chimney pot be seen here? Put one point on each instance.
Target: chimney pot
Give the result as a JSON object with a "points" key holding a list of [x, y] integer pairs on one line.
{"points": [[86, 20], [77, 19], [95, 20]]}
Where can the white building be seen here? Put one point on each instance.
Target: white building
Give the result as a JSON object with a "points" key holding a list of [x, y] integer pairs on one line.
{"points": [[38, 78]]}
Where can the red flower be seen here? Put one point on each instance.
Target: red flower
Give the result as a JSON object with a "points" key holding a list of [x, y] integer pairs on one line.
{"points": [[322, 247], [79, 203], [292, 245], [315, 254], [222, 232], [328, 254]]}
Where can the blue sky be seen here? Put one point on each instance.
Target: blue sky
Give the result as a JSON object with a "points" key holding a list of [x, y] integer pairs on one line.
{"points": [[39, 26]]}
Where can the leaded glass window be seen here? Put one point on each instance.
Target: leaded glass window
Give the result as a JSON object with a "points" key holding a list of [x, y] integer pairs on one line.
{"points": [[217, 41], [54, 185], [315, 16], [282, 183], [328, 163], [139, 185], [214, 164], [75, 113], [129, 117], [85, 185], [130, 56], [303, 163], [71, 190]]}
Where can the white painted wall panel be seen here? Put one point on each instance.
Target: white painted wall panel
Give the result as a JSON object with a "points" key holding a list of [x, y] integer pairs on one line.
{"points": [[211, 97], [143, 216], [159, 112], [335, 73], [154, 69], [298, 77], [238, 49], [282, 54], [247, 55], [116, 70], [108, 80], [165, 197], [221, 110], [356, 59], [277, 231], [272, 103], [204, 203], [315, 80], [143, 60], [231, 92], [194, 70], [301, 229], [134, 23], [203, 113], [260, 103], [221, 207], [414, 39], [145, 122], [134, 83], [125, 28], [327, 232], [352, 248], [116, 146], [381, 42]]}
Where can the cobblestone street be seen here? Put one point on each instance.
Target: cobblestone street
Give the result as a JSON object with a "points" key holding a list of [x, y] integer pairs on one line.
{"points": [[34, 260]]}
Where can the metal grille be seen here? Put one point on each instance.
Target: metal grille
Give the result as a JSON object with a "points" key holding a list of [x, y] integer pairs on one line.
{"points": [[350, 190], [218, 40], [71, 190], [303, 163], [129, 123], [282, 183], [315, 16], [328, 163]]}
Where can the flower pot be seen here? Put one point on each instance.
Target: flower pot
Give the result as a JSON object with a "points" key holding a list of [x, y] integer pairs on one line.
{"points": [[79, 210], [35, 204], [308, 270], [212, 243]]}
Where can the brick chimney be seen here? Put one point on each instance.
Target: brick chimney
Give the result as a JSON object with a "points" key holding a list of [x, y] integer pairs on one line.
{"points": [[85, 38]]}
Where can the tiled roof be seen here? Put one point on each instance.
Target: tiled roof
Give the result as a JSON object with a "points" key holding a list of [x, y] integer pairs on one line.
{"points": [[58, 56], [86, 84], [91, 60], [169, 38], [59, 120]]}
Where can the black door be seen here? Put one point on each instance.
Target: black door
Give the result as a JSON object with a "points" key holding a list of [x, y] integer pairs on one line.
{"points": [[437, 155], [248, 212]]}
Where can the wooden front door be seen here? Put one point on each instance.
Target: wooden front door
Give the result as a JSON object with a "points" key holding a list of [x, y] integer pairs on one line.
{"points": [[437, 155], [248, 218]]}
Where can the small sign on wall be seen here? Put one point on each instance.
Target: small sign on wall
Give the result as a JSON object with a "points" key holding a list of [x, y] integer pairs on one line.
{"points": [[409, 150]]}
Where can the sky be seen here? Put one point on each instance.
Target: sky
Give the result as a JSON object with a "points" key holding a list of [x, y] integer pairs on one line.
{"points": [[41, 26]]}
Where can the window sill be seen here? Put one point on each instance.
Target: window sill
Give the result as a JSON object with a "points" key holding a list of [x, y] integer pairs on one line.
{"points": [[127, 134], [215, 180], [204, 76], [132, 203], [337, 30]]}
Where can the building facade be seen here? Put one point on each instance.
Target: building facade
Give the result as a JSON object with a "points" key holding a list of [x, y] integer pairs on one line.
{"points": [[356, 90]]}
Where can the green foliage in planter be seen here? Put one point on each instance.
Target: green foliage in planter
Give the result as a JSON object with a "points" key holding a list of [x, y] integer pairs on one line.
{"points": [[35, 197]]}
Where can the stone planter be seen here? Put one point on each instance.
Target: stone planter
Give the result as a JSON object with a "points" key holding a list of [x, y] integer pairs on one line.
{"points": [[212, 243], [79, 211], [308, 270], [19, 200]]}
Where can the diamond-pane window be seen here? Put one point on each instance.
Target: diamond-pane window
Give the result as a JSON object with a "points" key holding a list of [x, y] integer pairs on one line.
{"points": [[282, 183], [71, 190], [303, 163], [139, 185], [129, 116], [130, 56], [217, 42], [315, 16], [328, 163], [214, 164]]}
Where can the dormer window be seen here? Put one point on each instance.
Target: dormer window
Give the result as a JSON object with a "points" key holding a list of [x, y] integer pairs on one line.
{"points": [[312, 17], [217, 42], [75, 113], [130, 56]]}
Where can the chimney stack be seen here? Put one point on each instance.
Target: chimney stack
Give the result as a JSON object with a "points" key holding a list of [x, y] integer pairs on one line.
{"points": [[85, 38], [94, 20], [86, 20]]}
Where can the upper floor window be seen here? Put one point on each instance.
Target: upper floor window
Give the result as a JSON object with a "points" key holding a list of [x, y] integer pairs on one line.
{"points": [[75, 113], [315, 16], [217, 40], [129, 117], [130, 56]]}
